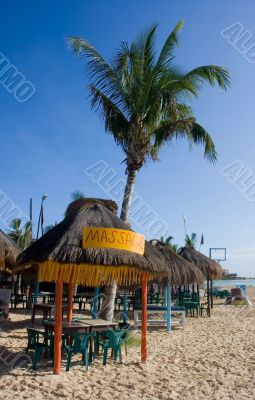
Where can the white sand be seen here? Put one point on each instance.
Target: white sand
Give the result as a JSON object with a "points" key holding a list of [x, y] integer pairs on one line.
{"points": [[212, 358]]}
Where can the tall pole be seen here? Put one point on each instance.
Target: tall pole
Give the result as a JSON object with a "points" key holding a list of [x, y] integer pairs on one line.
{"points": [[208, 293], [144, 318], [58, 325], [168, 315]]}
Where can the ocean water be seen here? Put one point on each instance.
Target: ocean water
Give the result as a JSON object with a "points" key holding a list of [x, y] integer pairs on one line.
{"points": [[233, 282]]}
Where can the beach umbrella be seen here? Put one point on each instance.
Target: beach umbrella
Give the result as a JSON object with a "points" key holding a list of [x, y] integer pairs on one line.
{"points": [[65, 254], [8, 252], [210, 268], [181, 272]]}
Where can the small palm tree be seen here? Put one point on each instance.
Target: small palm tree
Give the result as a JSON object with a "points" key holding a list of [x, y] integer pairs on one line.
{"points": [[191, 240], [77, 195], [168, 242], [22, 236]]}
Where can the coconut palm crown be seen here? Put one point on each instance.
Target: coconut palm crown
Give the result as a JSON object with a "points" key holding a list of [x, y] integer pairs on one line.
{"points": [[144, 98]]}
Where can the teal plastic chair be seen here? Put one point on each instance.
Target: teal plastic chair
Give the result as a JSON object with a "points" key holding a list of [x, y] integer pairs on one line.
{"points": [[76, 343], [39, 342], [111, 339]]}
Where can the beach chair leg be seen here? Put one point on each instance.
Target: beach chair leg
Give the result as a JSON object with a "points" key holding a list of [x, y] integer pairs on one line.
{"points": [[105, 355], [68, 360]]}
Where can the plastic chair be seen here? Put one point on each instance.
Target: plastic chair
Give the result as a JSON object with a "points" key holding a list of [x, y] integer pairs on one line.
{"points": [[109, 340], [76, 343], [38, 341]]}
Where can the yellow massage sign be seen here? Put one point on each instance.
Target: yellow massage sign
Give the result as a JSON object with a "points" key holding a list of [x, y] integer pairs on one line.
{"points": [[114, 239]]}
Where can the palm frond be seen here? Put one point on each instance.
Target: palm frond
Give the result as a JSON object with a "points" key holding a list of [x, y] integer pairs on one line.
{"points": [[198, 135], [166, 54], [208, 74]]}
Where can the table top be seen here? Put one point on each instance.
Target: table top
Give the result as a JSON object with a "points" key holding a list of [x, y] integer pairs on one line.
{"points": [[85, 323], [98, 323], [47, 306]]}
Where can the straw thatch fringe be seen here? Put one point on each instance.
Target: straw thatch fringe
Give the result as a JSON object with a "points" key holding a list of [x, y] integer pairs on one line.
{"points": [[90, 274]]}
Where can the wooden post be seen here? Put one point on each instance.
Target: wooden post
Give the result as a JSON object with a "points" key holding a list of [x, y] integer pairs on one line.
{"points": [[168, 304], [144, 319], [165, 302], [70, 299], [95, 303], [36, 291], [211, 293], [208, 294], [58, 325], [124, 306]]}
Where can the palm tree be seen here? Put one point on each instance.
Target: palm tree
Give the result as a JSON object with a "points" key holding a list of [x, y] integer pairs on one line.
{"points": [[144, 100], [21, 235], [191, 240], [77, 194], [168, 242]]}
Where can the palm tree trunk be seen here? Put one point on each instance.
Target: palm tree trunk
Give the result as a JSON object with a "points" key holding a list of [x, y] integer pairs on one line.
{"points": [[126, 203], [110, 291], [108, 305]]}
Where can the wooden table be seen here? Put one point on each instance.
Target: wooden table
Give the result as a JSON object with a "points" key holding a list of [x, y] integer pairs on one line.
{"points": [[85, 325], [47, 310], [67, 327]]}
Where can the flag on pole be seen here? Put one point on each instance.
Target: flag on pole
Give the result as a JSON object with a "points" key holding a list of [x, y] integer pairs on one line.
{"points": [[202, 239]]}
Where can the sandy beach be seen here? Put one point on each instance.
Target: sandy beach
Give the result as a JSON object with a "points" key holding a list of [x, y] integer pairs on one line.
{"points": [[211, 358]]}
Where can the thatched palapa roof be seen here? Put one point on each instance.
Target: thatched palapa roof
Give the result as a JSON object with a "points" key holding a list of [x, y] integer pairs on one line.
{"points": [[181, 272], [204, 263], [8, 252], [61, 247]]}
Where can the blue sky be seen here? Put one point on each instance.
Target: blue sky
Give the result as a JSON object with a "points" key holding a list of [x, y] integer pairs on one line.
{"points": [[48, 141]]}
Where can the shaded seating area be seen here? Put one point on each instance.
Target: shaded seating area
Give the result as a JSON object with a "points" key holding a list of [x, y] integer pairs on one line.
{"points": [[68, 253]]}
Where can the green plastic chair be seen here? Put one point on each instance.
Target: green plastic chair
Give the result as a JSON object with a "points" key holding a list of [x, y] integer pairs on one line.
{"points": [[77, 343], [111, 339], [38, 341]]}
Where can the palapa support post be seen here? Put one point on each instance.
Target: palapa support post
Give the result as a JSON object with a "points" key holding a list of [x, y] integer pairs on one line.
{"points": [[211, 292], [36, 291], [165, 302], [208, 294], [125, 306], [144, 318], [70, 299], [168, 304], [58, 325], [95, 303]]}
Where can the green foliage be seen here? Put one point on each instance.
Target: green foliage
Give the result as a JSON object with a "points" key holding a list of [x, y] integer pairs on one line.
{"points": [[133, 340], [21, 235], [191, 240], [77, 195], [144, 99], [168, 242]]}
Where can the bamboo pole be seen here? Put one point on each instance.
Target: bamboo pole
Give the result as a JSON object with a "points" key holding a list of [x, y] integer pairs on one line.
{"points": [[144, 319], [58, 325]]}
